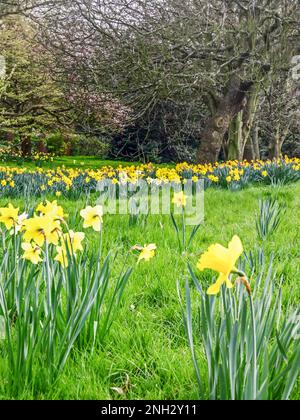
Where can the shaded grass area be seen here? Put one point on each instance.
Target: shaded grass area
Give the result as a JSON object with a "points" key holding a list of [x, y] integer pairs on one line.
{"points": [[146, 349], [88, 162]]}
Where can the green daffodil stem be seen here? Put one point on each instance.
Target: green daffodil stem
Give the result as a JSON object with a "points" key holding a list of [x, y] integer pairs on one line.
{"points": [[48, 276], [243, 279], [254, 347], [183, 230], [15, 282], [100, 249]]}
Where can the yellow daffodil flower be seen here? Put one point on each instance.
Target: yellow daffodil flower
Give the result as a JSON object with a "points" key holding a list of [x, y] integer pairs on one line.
{"points": [[51, 209], [9, 216], [61, 256], [222, 260], [147, 252], [19, 223], [32, 253], [179, 199], [92, 217], [41, 228], [73, 241]]}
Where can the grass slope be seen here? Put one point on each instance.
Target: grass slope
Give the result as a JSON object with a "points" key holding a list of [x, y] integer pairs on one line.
{"points": [[147, 348]]}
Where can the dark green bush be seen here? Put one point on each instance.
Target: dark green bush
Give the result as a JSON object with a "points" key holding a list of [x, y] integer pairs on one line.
{"points": [[55, 143], [89, 146]]}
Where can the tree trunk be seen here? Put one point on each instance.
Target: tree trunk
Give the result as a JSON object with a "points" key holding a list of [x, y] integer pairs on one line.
{"points": [[26, 146], [240, 143], [218, 124], [235, 137], [249, 151], [276, 145], [247, 147], [42, 147], [255, 141], [275, 151]]}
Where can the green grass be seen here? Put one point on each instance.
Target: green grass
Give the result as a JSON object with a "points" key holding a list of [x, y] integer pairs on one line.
{"points": [[147, 342], [88, 162]]}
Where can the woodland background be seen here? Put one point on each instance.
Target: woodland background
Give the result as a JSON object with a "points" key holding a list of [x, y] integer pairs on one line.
{"points": [[151, 80]]}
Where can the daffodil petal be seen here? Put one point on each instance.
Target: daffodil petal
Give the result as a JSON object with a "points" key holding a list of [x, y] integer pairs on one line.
{"points": [[215, 258], [229, 285], [214, 289], [235, 247]]}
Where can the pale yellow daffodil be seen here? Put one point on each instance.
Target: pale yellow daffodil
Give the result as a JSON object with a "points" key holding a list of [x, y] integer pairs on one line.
{"points": [[92, 217], [32, 253], [147, 252], [179, 199]]}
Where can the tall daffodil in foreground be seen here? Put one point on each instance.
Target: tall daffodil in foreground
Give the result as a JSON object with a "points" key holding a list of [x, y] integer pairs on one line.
{"points": [[92, 217], [222, 260]]}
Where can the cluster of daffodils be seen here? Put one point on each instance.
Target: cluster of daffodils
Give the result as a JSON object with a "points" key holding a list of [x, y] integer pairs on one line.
{"points": [[75, 181], [46, 227], [11, 153]]}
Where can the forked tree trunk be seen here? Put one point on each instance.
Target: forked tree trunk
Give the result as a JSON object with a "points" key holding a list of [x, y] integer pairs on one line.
{"points": [[240, 143], [275, 148], [252, 151], [276, 145], [216, 127]]}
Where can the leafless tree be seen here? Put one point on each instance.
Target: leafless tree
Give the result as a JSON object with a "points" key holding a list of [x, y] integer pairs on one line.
{"points": [[198, 62], [17, 7], [279, 114]]}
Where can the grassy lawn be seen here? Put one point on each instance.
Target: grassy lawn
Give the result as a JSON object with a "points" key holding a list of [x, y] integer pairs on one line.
{"points": [[146, 351], [88, 162]]}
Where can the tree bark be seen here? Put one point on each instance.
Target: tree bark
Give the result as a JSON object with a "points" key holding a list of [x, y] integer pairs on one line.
{"points": [[276, 145], [256, 142], [26, 146], [240, 143], [247, 147], [252, 151], [275, 149], [235, 137], [218, 124]]}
